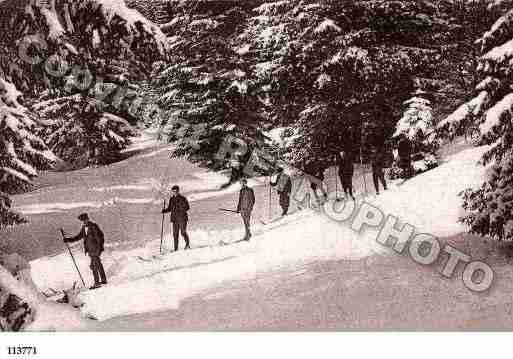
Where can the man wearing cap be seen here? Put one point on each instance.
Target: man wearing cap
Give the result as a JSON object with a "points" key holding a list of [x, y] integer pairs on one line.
{"points": [[245, 206], [178, 207], [93, 246], [283, 186]]}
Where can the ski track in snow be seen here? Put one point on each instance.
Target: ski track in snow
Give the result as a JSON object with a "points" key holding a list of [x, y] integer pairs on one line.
{"points": [[139, 286], [429, 202], [194, 190]]}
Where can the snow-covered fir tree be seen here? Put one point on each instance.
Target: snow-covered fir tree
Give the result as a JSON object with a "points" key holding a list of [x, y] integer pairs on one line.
{"points": [[158, 11], [210, 87], [291, 61], [418, 123], [22, 152], [96, 139], [94, 54], [489, 112], [310, 51]]}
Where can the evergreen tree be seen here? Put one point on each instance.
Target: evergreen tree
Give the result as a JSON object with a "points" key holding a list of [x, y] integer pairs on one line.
{"points": [[96, 139], [209, 87], [341, 69], [94, 54], [22, 153], [489, 112], [417, 123]]}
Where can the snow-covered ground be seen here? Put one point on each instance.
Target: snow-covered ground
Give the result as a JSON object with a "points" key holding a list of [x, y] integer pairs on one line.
{"points": [[139, 283], [430, 201], [195, 190]]}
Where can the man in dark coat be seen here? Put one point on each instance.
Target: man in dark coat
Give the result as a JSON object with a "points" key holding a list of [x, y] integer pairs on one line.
{"points": [[93, 246], [178, 207], [315, 170], [245, 206], [377, 168], [404, 152], [346, 171], [283, 186]]}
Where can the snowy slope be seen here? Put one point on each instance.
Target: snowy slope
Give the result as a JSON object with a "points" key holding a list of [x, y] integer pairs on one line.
{"points": [[430, 202]]}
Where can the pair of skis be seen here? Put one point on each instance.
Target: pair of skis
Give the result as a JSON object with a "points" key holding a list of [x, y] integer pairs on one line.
{"points": [[261, 220]]}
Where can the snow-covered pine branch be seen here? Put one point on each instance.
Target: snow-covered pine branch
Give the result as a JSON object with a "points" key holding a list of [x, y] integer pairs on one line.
{"points": [[22, 151], [490, 112], [208, 86], [102, 41], [79, 130]]}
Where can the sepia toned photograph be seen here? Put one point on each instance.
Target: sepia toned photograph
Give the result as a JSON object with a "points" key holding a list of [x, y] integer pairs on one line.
{"points": [[255, 166]]}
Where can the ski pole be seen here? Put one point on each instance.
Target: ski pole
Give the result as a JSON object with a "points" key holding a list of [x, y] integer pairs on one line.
{"points": [[162, 228], [228, 210], [73, 258], [336, 184], [270, 198], [363, 170]]}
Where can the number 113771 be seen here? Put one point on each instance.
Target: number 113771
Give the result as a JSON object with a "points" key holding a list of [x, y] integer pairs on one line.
{"points": [[21, 350]]}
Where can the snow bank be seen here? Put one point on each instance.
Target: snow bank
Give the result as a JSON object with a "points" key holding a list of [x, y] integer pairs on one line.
{"points": [[48, 316], [430, 201]]}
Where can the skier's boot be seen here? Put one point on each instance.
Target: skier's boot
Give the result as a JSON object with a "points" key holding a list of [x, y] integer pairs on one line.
{"points": [[95, 286]]}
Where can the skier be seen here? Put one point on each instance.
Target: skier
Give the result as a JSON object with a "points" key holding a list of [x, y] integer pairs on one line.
{"points": [[404, 152], [178, 207], [316, 171], [345, 172], [93, 245], [245, 206], [377, 169], [236, 171], [283, 186]]}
